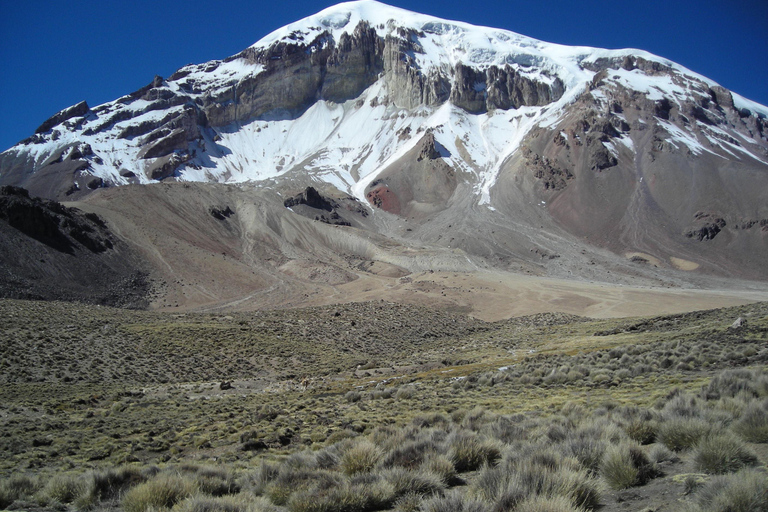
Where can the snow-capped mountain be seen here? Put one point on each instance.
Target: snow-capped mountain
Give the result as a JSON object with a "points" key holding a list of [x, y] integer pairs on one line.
{"points": [[445, 125]]}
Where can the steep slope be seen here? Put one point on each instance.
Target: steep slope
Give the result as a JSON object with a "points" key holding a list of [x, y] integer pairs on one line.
{"points": [[513, 150]]}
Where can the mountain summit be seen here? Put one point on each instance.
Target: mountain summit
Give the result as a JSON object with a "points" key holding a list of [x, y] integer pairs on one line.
{"points": [[484, 141]]}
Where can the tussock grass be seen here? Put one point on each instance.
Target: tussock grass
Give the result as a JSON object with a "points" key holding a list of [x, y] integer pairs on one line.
{"points": [[17, 487], [752, 426], [163, 491], [744, 491], [361, 457], [722, 453], [682, 433]]}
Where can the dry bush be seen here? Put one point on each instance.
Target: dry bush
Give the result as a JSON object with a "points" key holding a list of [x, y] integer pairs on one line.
{"points": [[626, 465], [420, 482], [17, 487], [745, 491], [682, 433], [163, 491], [453, 502], [63, 488], [545, 504], [361, 457], [722, 453], [468, 451], [752, 426]]}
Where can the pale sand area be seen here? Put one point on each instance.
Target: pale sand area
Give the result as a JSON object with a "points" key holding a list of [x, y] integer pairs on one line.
{"points": [[495, 296]]}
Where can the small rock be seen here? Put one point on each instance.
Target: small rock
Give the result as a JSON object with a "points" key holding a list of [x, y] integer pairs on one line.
{"points": [[739, 323]]}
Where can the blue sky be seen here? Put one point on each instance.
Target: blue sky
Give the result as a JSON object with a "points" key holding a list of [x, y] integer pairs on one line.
{"points": [[54, 54]]}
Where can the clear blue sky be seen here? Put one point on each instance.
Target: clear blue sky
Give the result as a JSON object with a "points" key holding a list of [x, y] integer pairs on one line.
{"points": [[54, 54]]}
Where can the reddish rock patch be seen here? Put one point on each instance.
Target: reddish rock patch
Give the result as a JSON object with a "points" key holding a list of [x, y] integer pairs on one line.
{"points": [[383, 198]]}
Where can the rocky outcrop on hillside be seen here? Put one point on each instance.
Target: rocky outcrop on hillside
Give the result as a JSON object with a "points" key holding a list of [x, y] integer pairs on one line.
{"points": [[51, 251]]}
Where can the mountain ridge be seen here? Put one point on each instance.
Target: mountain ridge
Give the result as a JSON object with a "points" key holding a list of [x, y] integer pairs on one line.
{"points": [[429, 137]]}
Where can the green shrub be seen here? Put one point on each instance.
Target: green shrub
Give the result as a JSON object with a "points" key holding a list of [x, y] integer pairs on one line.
{"points": [[468, 451], [163, 491], [290, 480], [404, 481], [361, 457], [752, 426], [722, 453], [745, 491], [63, 488], [353, 496], [405, 392], [546, 504], [626, 465], [587, 450], [442, 466], [660, 453], [682, 433], [409, 502], [201, 503], [617, 468], [453, 502], [642, 430], [17, 487]]}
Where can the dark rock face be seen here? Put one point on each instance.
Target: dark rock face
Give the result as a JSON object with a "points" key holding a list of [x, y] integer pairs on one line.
{"points": [[313, 199], [78, 110], [52, 252], [49, 222], [316, 206], [221, 213], [708, 225], [552, 176]]}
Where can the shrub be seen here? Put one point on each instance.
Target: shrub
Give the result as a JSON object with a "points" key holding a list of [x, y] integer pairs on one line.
{"points": [[442, 466], [361, 457], [453, 502], [660, 453], [108, 484], [354, 496], [163, 491], [409, 455], [468, 452], [64, 488], [290, 480], [617, 468], [642, 430], [587, 450], [545, 504], [353, 396], [257, 481], [626, 465], [745, 491], [405, 392], [17, 487], [680, 434], [753, 424], [409, 502], [722, 453], [404, 481], [201, 503]]}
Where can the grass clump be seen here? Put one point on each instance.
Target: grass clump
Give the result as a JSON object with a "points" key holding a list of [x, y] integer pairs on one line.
{"points": [[545, 504], [682, 433], [753, 424], [468, 451], [744, 491], [722, 453], [626, 465], [163, 491], [361, 457], [63, 488], [17, 487]]}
